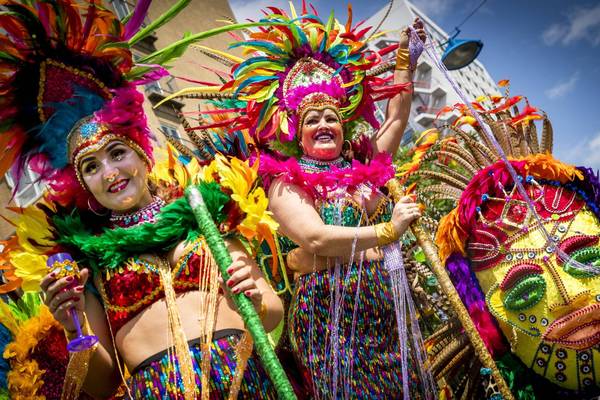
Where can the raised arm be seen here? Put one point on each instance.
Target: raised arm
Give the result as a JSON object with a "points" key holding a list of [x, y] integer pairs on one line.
{"points": [[294, 211], [398, 109]]}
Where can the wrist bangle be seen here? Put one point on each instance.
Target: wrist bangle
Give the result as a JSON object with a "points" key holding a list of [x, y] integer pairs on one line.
{"points": [[386, 233], [263, 310], [402, 60]]}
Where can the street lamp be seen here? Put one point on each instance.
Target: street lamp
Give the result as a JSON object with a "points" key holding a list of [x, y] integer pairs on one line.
{"points": [[460, 52]]}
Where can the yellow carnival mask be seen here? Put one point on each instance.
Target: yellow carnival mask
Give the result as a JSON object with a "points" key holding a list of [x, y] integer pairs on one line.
{"points": [[548, 309]]}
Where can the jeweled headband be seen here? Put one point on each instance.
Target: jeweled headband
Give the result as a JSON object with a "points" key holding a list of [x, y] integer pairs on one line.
{"points": [[89, 136]]}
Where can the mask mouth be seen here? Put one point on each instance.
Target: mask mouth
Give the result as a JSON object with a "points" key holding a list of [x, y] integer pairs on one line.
{"points": [[578, 330], [118, 186]]}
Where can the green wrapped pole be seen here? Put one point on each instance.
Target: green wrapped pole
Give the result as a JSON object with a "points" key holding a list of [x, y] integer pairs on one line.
{"points": [[246, 308]]}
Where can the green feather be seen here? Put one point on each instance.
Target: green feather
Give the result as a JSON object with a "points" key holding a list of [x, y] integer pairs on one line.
{"points": [[160, 21], [189, 39], [113, 247]]}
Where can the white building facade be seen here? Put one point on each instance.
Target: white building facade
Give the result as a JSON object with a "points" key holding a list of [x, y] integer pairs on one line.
{"points": [[432, 91]]}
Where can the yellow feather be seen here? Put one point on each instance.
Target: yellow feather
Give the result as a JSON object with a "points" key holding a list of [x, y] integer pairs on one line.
{"points": [[293, 10], [228, 56], [32, 227], [29, 267], [190, 90]]}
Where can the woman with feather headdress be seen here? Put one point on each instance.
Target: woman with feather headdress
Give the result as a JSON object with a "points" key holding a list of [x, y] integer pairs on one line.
{"points": [[309, 84], [148, 283]]}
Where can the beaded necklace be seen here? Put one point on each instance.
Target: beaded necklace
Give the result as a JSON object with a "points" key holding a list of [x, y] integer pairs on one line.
{"points": [[143, 215], [310, 164]]}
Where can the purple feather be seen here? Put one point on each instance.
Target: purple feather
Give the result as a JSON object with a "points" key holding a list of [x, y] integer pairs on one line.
{"points": [[472, 297], [137, 19], [591, 186]]}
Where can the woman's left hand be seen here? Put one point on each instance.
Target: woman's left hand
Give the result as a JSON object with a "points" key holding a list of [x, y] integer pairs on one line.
{"points": [[241, 281], [405, 34]]}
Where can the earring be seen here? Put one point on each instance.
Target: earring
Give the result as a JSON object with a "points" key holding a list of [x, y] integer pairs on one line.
{"points": [[94, 211], [347, 151]]}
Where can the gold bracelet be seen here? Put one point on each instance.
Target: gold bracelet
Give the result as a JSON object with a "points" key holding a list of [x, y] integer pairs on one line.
{"points": [[402, 60], [263, 310], [386, 233]]}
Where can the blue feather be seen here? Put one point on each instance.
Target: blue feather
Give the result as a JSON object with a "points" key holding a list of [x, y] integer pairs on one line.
{"points": [[342, 49], [253, 60], [5, 339], [54, 132], [265, 46], [253, 79]]}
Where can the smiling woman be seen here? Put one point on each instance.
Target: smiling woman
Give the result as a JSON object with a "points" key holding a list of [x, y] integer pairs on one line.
{"points": [[116, 175], [140, 277], [307, 88], [322, 134]]}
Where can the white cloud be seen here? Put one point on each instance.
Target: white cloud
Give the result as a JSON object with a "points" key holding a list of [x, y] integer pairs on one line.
{"points": [[563, 87], [586, 153], [581, 24], [434, 8]]}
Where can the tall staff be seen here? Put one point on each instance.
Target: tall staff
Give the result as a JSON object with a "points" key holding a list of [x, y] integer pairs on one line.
{"points": [[431, 253]]}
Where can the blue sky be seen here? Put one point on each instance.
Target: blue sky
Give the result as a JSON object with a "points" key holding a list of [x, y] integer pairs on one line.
{"points": [[550, 51]]}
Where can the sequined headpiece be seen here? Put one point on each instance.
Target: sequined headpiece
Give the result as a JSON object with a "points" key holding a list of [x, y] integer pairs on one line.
{"points": [[298, 62], [311, 84]]}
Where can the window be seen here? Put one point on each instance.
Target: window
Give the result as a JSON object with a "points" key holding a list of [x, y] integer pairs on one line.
{"points": [[30, 187], [125, 7], [170, 130], [122, 8]]}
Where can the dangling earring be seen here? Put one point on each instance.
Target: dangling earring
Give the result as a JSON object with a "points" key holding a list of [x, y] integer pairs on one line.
{"points": [[94, 211], [347, 151]]}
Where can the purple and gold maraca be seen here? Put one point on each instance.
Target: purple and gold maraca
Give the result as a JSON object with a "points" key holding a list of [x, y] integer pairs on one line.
{"points": [[63, 265]]}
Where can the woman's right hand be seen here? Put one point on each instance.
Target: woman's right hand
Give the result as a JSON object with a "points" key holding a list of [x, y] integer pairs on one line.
{"points": [[63, 294], [405, 212]]}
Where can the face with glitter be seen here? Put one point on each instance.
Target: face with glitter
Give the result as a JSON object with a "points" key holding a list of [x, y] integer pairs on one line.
{"points": [[116, 176], [322, 135], [548, 309]]}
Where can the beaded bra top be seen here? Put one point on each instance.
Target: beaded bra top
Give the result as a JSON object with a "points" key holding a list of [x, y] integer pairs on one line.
{"points": [[127, 291]]}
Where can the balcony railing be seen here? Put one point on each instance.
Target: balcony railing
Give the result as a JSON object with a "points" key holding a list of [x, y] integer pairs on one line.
{"points": [[427, 110], [158, 90]]}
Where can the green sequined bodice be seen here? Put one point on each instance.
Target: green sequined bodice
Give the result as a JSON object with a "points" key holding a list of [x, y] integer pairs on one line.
{"points": [[350, 213]]}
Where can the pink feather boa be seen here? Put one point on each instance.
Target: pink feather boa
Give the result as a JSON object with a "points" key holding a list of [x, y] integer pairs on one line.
{"points": [[376, 174]]}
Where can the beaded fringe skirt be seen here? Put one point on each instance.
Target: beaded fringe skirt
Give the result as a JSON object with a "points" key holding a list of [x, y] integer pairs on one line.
{"points": [[158, 378], [369, 365]]}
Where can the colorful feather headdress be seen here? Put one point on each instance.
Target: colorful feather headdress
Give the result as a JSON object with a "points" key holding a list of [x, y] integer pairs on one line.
{"points": [[298, 62], [63, 61]]}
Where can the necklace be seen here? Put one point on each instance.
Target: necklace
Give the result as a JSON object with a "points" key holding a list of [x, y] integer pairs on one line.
{"points": [[310, 164], [143, 215]]}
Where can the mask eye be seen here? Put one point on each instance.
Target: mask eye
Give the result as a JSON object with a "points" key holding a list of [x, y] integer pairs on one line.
{"points": [[588, 256], [526, 293], [583, 249]]}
